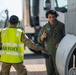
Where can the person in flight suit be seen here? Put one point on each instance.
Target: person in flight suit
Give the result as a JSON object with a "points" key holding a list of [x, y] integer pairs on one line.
{"points": [[51, 34], [13, 40]]}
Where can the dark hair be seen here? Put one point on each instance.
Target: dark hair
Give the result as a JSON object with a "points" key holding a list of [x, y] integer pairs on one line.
{"points": [[14, 19], [53, 12]]}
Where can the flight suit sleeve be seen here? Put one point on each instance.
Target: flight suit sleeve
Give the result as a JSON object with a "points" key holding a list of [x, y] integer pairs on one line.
{"points": [[62, 34], [30, 44], [63, 30]]}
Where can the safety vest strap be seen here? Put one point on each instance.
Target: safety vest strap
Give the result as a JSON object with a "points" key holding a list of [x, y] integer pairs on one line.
{"points": [[0, 52], [4, 31]]}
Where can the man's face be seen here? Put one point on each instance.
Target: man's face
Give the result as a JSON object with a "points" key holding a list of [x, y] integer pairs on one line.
{"points": [[51, 18]]}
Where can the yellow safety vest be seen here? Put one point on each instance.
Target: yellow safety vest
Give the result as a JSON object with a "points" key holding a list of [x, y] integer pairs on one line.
{"points": [[12, 47]]}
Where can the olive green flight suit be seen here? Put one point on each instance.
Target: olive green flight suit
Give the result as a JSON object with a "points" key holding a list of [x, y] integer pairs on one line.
{"points": [[54, 35]]}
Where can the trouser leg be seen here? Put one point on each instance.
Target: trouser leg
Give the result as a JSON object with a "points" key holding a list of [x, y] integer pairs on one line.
{"points": [[0, 72], [20, 68], [6, 68], [49, 67]]}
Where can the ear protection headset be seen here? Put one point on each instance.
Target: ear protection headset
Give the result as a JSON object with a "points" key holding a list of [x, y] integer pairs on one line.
{"points": [[14, 20], [17, 23]]}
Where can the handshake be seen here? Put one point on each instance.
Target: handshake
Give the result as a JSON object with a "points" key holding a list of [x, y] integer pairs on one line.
{"points": [[45, 55]]}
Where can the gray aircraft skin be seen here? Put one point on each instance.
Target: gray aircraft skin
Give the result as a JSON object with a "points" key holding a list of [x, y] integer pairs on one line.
{"points": [[67, 47]]}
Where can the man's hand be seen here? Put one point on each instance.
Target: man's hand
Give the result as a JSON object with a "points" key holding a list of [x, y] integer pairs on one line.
{"points": [[44, 51], [57, 45], [45, 55], [44, 35]]}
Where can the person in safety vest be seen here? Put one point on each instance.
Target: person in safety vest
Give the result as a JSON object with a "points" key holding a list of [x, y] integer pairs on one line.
{"points": [[13, 41]]}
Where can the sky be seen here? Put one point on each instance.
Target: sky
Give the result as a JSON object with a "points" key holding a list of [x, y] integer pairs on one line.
{"points": [[14, 7]]}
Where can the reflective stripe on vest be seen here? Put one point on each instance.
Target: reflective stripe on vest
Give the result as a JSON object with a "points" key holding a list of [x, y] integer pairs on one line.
{"points": [[13, 53], [12, 47], [14, 44]]}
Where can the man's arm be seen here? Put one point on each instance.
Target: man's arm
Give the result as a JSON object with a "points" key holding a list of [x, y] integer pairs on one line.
{"points": [[63, 30], [62, 34], [30, 44]]}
